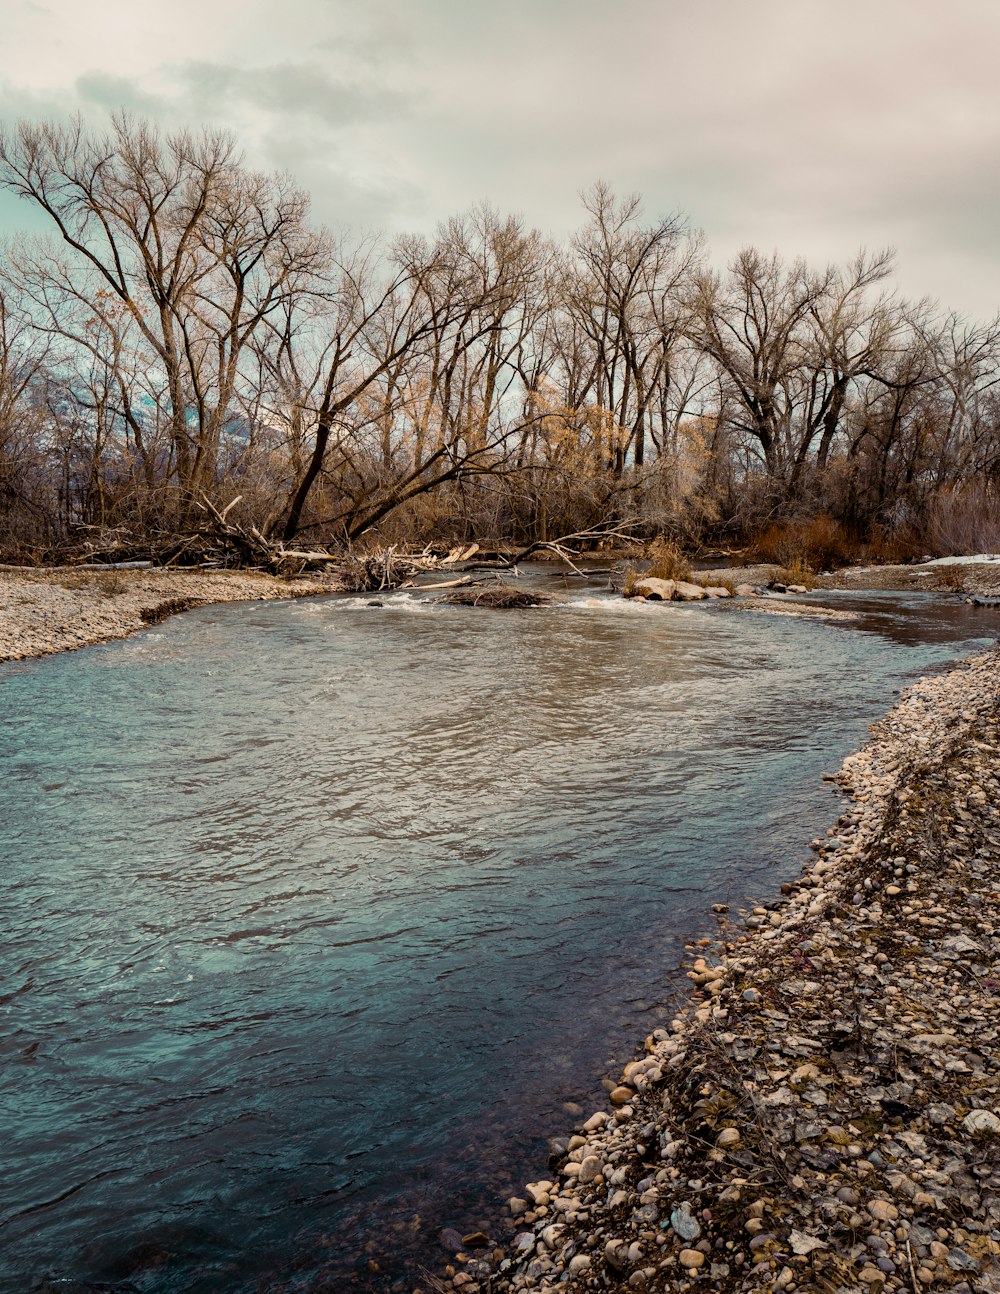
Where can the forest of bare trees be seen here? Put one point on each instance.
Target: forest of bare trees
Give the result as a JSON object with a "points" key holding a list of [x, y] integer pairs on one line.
{"points": [[184, 337]]}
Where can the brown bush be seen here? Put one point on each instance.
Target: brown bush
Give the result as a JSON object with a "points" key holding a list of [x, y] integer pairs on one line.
{"points": [[820, 544], [667, 562], [965, 520]]}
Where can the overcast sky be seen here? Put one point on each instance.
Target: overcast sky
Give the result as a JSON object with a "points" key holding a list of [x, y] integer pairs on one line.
{"points": [[809, 126]]}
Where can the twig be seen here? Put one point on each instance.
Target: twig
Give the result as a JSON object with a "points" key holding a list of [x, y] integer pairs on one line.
{"points": [[913, 1274]]}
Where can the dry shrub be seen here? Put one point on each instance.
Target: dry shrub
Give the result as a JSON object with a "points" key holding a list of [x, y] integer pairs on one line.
{"points": [[894, 547], [667, 562], [817, 545], [797, 573], [965, 520]]}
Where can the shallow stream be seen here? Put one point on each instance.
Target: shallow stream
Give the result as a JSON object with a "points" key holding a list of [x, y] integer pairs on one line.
{"points": [[319, 918]]}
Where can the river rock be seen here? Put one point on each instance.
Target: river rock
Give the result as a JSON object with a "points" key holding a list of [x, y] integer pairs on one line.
{"points": [[685, 592], [691, 1258], [616, 1254], [883, 1211], [590, 1168], [653, 589]]}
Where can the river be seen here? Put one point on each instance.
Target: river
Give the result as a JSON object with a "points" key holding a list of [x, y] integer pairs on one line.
{"points": [[320, 917]]}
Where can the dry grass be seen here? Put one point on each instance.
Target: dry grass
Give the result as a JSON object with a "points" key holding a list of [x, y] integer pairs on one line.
{"points": [[667, 562], [726, 582], [107, 584], [820, 544], [796, 573]]}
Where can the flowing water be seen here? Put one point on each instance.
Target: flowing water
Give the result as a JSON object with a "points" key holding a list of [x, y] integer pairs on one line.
{"points": [[318, 917]]}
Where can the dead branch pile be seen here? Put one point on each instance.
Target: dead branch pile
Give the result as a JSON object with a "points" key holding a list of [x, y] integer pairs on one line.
{"points": [[497, 597], [388, 569]]}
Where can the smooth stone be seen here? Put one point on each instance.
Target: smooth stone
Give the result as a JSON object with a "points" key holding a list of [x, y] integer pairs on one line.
{"points": [[654, 589], [691, 1258], [685, 592]]}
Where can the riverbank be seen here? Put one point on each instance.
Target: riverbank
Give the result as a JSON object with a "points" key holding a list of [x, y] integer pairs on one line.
{"points": [[825, 1115], [962, 576], [45, 611]]}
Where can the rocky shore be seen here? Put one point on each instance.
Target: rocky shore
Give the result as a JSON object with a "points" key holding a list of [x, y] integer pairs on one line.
{"points": [[43, 611], [824, 1116]]}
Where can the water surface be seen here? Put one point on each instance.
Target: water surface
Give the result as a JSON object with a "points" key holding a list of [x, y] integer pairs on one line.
{"points": [[316, 914]]}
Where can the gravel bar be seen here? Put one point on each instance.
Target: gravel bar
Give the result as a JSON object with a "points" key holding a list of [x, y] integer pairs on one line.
{"points": [[44, 611], [824, 1115]]}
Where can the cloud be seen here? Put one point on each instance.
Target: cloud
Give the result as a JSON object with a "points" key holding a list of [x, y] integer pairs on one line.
{"points": [[298, 90], [110, 92], [785, 123]]}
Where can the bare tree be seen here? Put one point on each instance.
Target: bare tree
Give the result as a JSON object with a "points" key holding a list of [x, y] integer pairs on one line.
{"points": [[23, 358], [405, 377], [625, 295], [175, 247], [753, 324]]}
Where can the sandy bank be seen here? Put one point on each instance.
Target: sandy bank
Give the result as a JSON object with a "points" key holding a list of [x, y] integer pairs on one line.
{"points": [[58, 610], [825, 1115]]}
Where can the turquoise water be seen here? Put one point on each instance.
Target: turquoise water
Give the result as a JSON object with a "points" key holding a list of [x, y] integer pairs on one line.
{"points": [[317, 914]]}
